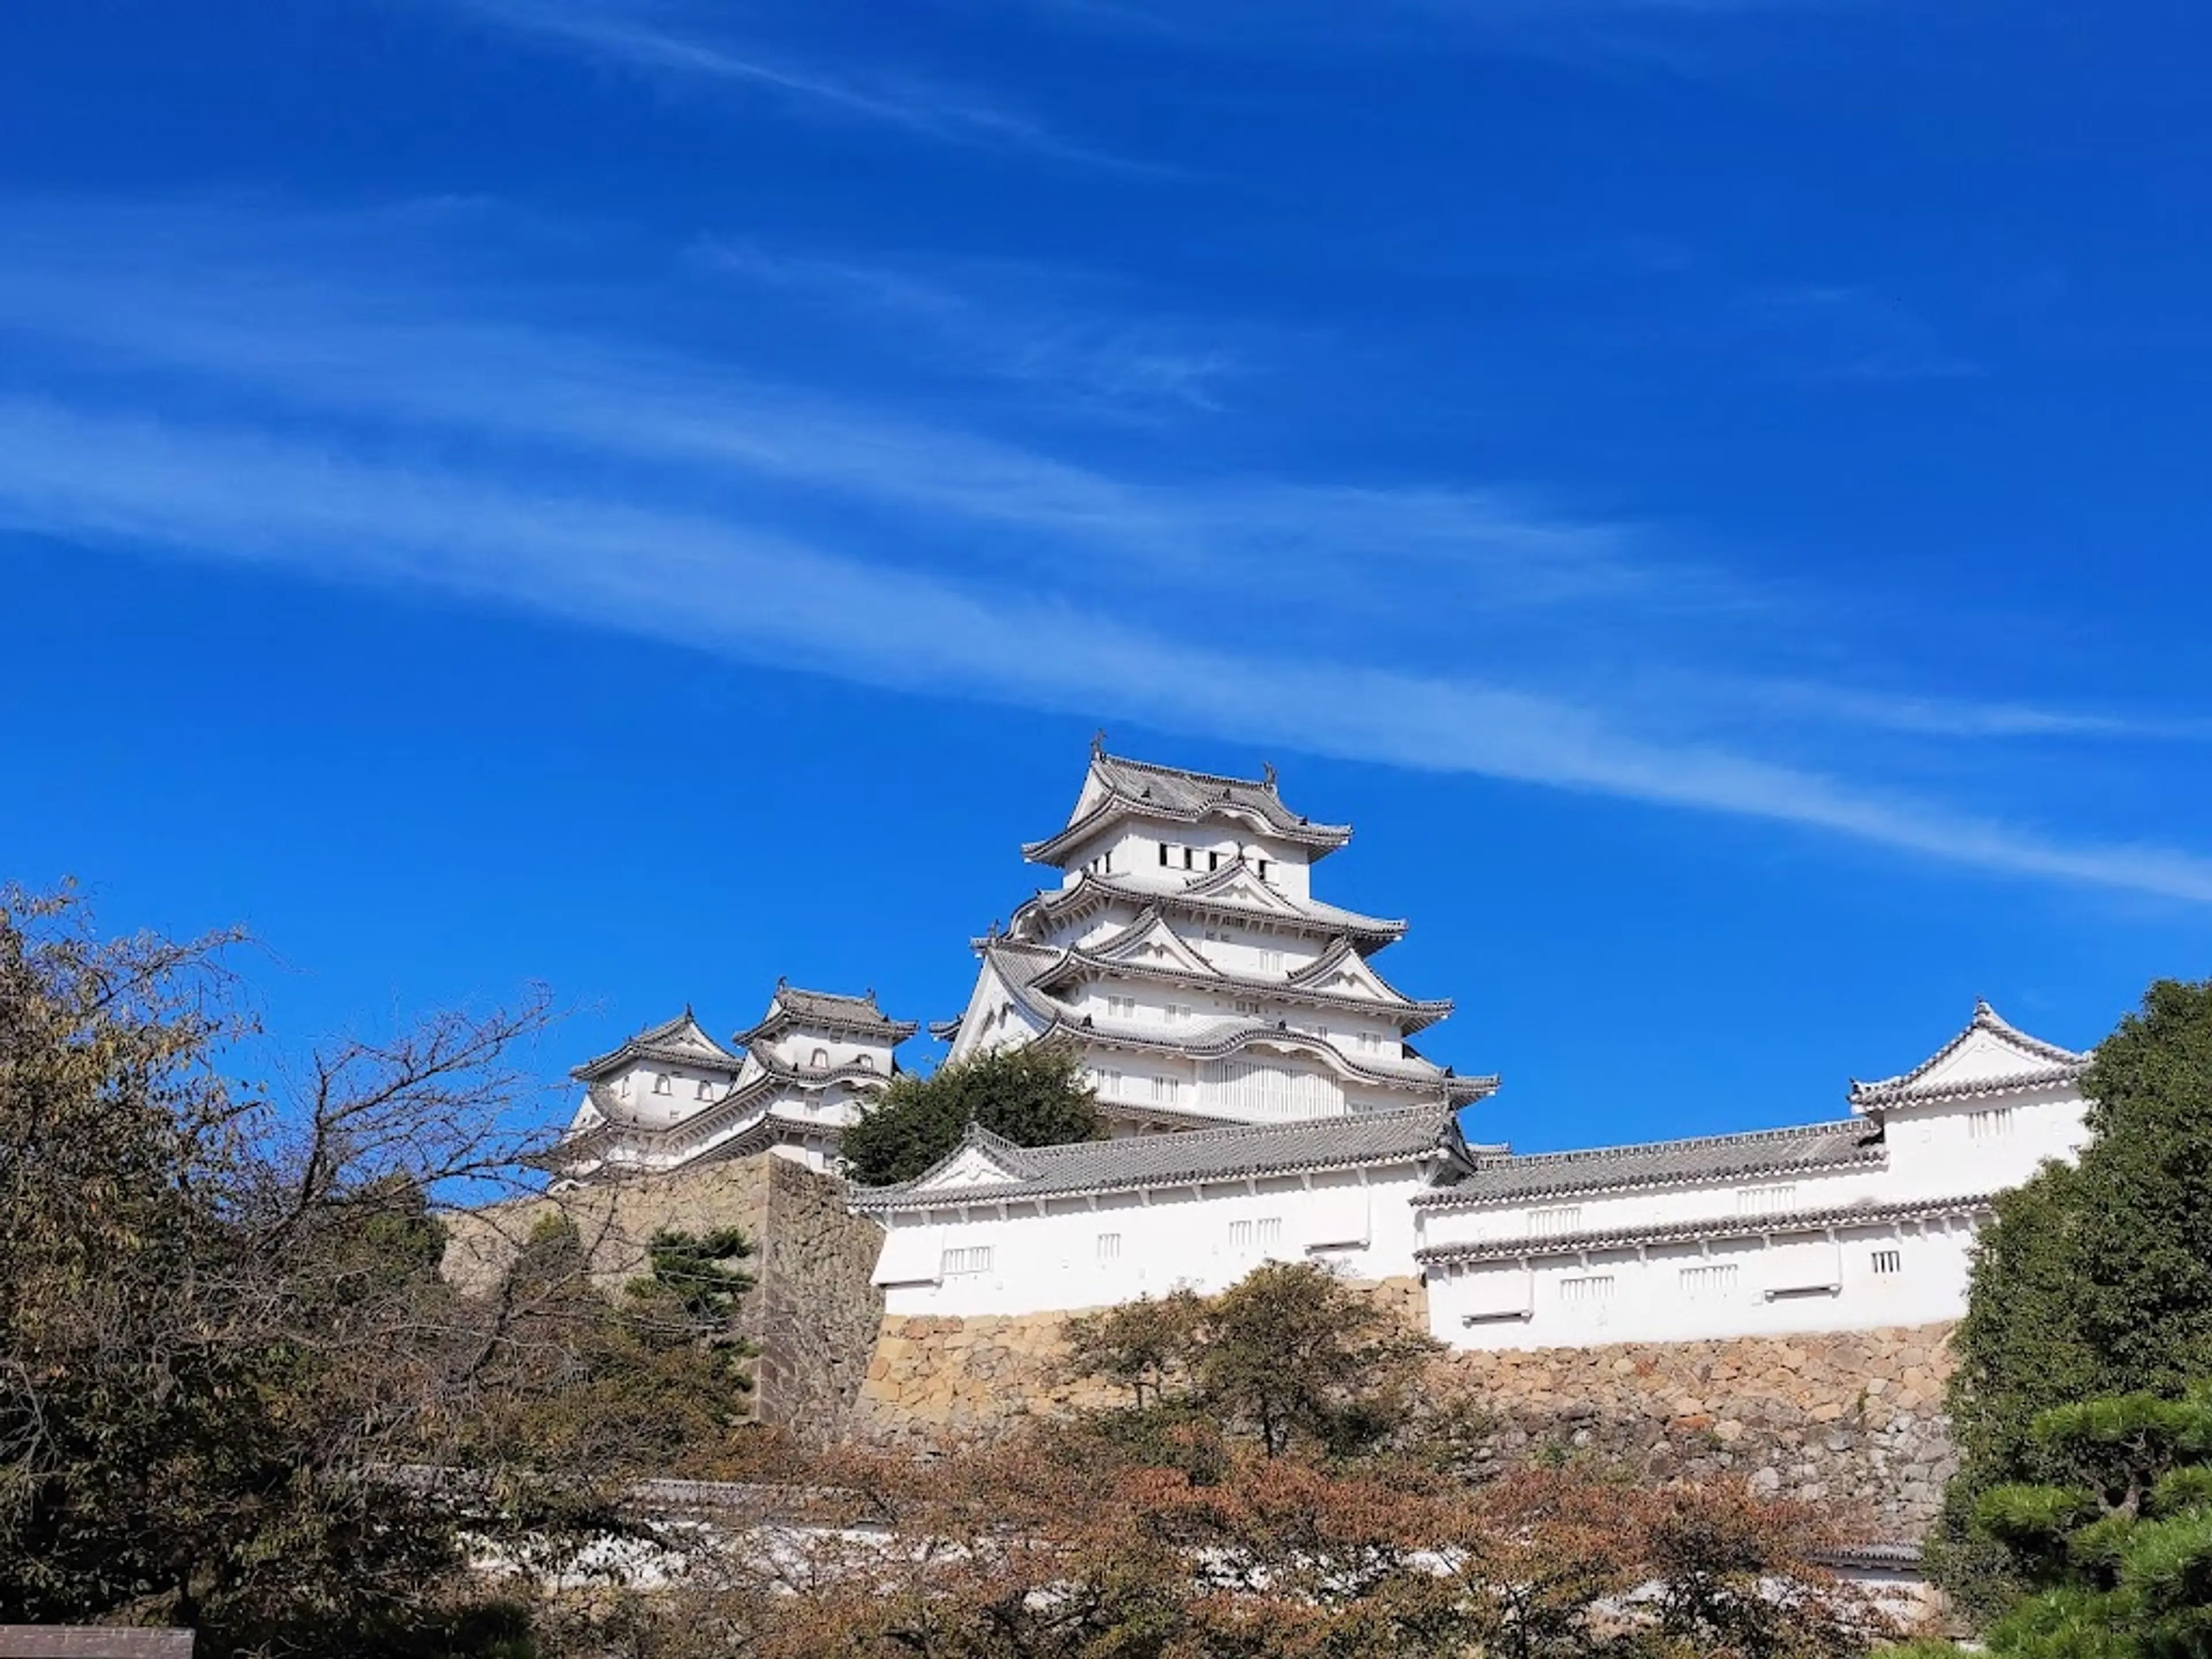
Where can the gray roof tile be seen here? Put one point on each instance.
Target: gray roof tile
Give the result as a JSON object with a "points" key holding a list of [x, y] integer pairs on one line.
{"points": [[1175, 1160], [1866, 1213], [1666, 1162], [827, 1010], [1181, 796]]}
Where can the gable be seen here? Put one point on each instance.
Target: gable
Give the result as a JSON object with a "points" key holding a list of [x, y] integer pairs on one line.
{"points": [[1341, 971], [1239, 886], [1985, 1056], [971, 1166], [1988, 1056], [1150, 942]]}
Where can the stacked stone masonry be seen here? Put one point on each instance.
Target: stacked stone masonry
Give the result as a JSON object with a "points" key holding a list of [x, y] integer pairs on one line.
{"points": [[1852, 1420], [812, 1312]]}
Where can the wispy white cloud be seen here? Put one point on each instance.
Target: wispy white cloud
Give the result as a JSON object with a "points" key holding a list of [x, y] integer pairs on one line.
{"points": [[703, 583], [620, 486], [1827, 332], [1672, 36], [1953, 717], [1008, 323], [232, 304], [653, 39]]}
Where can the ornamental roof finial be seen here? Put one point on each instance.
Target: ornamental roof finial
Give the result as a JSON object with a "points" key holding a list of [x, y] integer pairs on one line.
{"points": [[1267, 773], [1099, 744]]}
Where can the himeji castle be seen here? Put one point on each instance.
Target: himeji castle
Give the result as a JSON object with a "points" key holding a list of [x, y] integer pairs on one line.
{"points": [[672, 1096], [1264, 1100], [1184, 956]]}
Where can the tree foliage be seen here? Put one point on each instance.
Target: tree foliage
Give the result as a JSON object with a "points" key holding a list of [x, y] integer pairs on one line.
{"points": [[1289, 1355], [2094, 1280], [2116, 1547], [1029, 1553], [234, 1391], [1035, 1096]]}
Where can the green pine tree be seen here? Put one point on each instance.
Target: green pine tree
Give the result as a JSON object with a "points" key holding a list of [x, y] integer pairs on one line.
{"points": [[2094, 1281]]}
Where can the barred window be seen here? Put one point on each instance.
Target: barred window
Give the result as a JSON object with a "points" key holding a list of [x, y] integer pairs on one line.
{"points": [[1889, 1261], [967, 1259], [1766, 1201]]}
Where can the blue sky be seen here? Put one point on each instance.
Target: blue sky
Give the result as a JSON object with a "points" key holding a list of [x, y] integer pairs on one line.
{"points": [[648, 496]]}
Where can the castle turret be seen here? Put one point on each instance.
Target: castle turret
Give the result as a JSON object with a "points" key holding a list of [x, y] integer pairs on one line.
{"points": [[1185, 958]]}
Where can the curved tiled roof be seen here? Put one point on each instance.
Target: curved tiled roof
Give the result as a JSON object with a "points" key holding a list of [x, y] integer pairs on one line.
{"points": [[2042, 1065], [769, 1128], [1198, 1157], [679, 1042], [1314, 916], [1697, 1227], [1128, 787], [1413, 1014], [1020, 966], [617, 1124], [1813, 1147], [827, 1010]]}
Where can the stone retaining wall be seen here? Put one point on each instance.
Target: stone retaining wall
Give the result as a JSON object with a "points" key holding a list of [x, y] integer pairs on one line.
{"points": [[812, 1312], [1851, 1420]]}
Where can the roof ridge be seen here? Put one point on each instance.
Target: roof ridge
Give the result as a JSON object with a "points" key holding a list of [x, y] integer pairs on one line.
{"points": [[1986, 1018], [1163, 769], [1581, 1154]]}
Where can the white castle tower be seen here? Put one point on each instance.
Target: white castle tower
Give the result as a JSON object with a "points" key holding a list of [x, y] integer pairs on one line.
{"points": [[672, 1096], [1184, 956]]}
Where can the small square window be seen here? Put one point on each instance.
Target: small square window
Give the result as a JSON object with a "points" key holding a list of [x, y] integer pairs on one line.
{"points": [[1887, 1263], [1110, 1247], [660, 1082], [705, 1090]]}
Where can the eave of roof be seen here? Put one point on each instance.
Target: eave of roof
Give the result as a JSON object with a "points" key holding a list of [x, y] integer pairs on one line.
{"points": [[1308, 916], [1200, 1157], [1411, 1014], [1048, 1018], [770, 1078], [1806, 1148], [769, 1128], [1691, 1229]]}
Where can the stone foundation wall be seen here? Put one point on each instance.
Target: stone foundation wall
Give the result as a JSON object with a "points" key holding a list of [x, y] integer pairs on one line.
{"points": [[812, 1312], [1850, 1419], [933, 1381]]}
